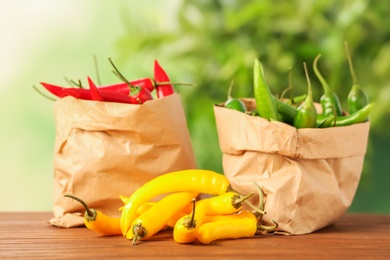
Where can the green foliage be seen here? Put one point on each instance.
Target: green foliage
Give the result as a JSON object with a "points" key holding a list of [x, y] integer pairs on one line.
{"points": [[215, 41]]}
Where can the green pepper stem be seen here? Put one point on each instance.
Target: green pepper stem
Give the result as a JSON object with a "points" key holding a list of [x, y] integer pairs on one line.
{"points": [[309, 93], [120, 75], [268, 228], [96, 69], [162, 83], [351, 69], [139, 232], [261, 196], [191, 223], [324, 84], [89, 211], [230, 89], [289, 88], [257, 210], [237, 202], [42, 94]]}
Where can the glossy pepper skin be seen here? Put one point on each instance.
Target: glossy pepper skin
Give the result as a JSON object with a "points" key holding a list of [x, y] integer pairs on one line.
{"points": [[286, 111], [264, 102], [138, 94], [234, 103], [358, 117], [186, 228], [99, 222], [85, 94], [157, 216], [192, 180], [330, 102], [161, 76], [239, 225], [357, 98], [93, 90], [306, 116], [122, 87]]}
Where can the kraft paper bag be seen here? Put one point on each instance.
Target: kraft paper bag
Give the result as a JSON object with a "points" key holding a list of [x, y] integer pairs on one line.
{"points": [[309, 177], [103, 150]]}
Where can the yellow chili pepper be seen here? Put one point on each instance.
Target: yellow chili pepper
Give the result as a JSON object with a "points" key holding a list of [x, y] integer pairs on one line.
{"points": [[155, 218], [145, 207], [123, 198], [97, 221], [185, 211], [186, 228], [239, 225], [194, 180]]}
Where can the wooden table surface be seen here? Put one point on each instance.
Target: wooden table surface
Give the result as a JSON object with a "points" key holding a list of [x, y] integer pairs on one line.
{"points": [[354, 236]]}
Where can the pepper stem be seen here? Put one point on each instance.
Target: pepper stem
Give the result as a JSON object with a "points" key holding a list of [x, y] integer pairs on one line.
{"points": [[324, 84], [162, 83], [230, 89], [289, 88], [191, 223], [261, 196], [139, 232], [351, 69], [96, 69], [284, 92], [237, 202], [42, 94], [257, 210], [309, 93], [88, 210], [268, 228], [119, 74]]}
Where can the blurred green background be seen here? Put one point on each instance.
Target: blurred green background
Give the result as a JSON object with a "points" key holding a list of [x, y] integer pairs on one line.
{"points": [[207, 42]]}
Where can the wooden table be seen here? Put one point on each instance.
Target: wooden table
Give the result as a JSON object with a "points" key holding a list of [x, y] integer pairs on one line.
{"points": [[354, 236]]}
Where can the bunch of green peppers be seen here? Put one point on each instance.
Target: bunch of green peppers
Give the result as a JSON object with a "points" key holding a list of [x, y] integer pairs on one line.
{"points": [[305, 115]]}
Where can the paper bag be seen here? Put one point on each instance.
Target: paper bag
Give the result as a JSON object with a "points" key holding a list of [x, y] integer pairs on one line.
{"points": [[309, 176], [103, 150]]}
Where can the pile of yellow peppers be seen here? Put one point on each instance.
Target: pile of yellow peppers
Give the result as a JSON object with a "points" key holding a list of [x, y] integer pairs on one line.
{"points": [[217, 216]]}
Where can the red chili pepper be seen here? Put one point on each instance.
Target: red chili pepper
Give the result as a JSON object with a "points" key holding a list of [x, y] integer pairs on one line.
{"points": [[55, 90], [95, 94], [139, 95], [122, 87], [80, 93], [108, 96], [160, 75]]}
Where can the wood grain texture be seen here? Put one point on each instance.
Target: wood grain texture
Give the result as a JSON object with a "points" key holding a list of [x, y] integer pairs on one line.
{"points": [[354, 236]]}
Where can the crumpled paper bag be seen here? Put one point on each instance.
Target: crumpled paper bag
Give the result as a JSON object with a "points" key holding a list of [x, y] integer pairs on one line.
{"points": [[309, 176], [103, 150]]}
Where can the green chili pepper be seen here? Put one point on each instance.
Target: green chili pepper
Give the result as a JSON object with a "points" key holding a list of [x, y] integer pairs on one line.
{"points": [[357, 98], [306, 116], [286, 112], [326, 121], [358, 117], [234, 103], [295, 101], [264, 101], [329, 100]]}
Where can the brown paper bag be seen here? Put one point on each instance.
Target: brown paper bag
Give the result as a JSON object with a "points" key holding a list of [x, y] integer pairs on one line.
{"points": [[309, 176], [103, 150]]}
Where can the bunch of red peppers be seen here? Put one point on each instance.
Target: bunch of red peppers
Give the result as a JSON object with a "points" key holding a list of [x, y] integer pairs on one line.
{"points": [[136, 91]]}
